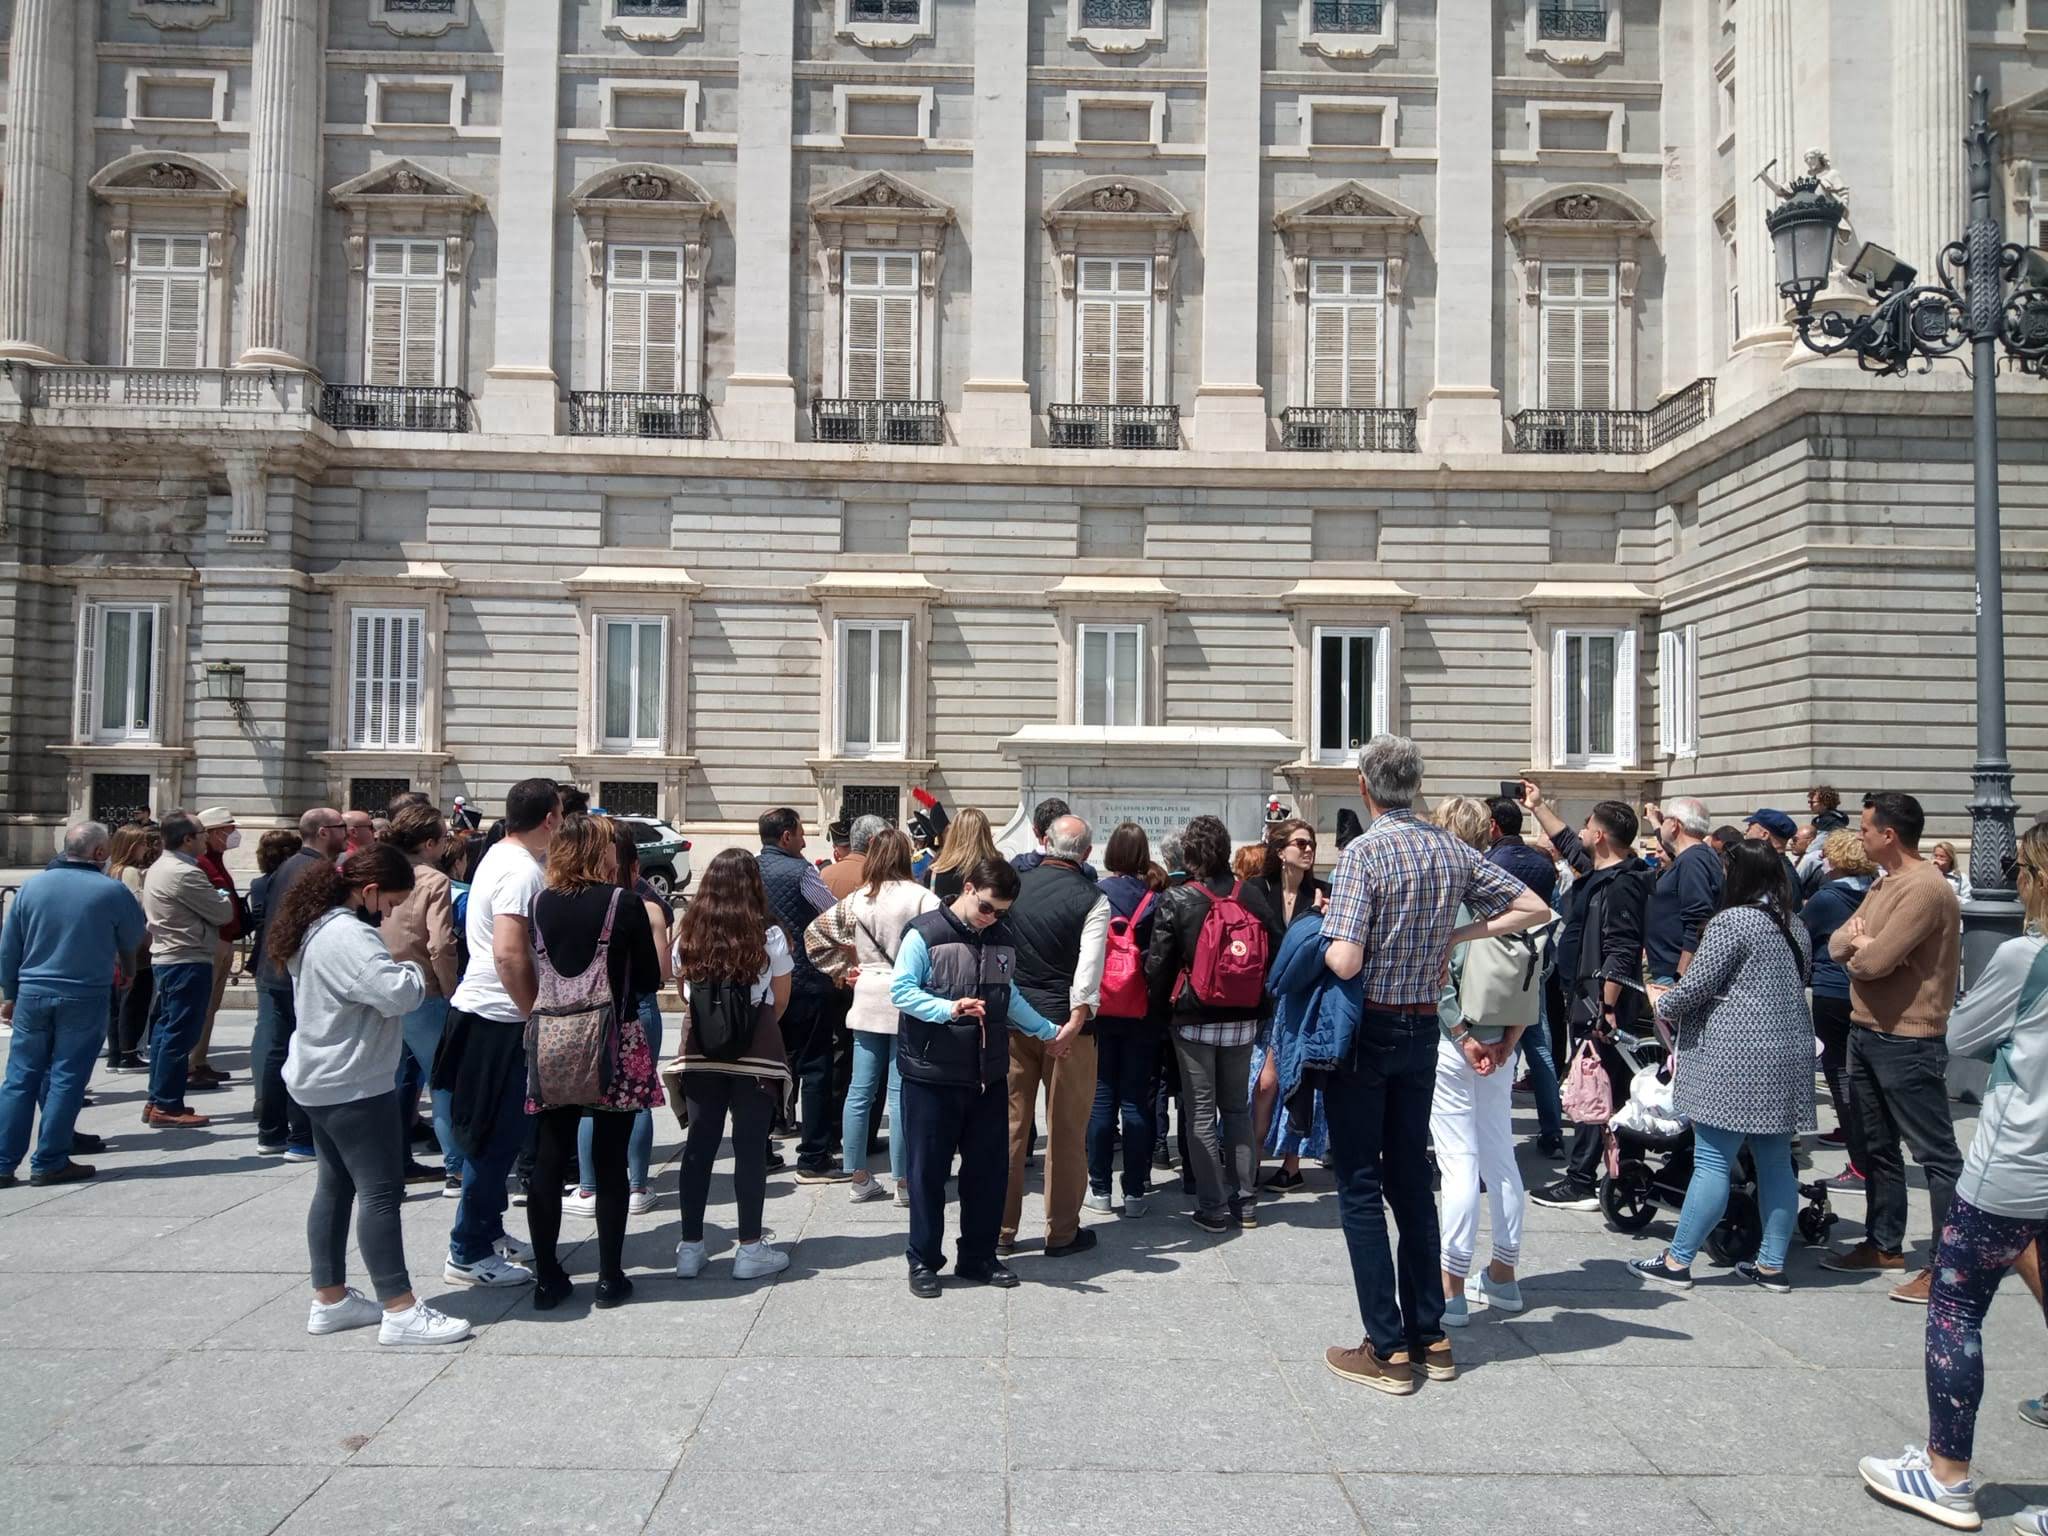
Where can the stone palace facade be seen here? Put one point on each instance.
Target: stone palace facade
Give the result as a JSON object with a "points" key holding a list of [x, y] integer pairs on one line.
{"points": [[726, 403]]}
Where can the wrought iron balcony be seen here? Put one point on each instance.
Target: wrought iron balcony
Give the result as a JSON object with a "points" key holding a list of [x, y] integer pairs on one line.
{"points": [[1555, 431], [897, 11], [905, 423], [423, 7], [654, 7], [1114, 426], [1345, 16], [1573, 23], [1334, 429], [394, 408], [201, 389], [1116, 13], [626, 413]]}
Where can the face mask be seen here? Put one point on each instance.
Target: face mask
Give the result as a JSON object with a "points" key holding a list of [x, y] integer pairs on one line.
{"points": [[234, 839], [374, 918]]}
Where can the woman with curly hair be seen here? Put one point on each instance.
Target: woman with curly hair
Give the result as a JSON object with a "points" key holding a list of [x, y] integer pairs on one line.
{"points": [[733, 965], [1848, 872], [352, 999]]}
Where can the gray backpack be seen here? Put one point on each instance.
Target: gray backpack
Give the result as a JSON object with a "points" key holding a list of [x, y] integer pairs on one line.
{"points": [[1501, 983]]}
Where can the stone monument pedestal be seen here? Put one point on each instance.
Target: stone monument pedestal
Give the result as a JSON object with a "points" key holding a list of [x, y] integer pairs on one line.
{"points": [[1157, 775]]}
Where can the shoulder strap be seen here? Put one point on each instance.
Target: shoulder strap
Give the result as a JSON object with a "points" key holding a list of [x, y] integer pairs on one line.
{"points": [[1144, 906], [611, 913]]}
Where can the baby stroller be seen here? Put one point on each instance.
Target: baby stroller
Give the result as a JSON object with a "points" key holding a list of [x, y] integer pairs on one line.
{"points": [[1650, 1161]]}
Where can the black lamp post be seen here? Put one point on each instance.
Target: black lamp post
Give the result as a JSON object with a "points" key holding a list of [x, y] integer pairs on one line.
{"points": [[1968, 303]]}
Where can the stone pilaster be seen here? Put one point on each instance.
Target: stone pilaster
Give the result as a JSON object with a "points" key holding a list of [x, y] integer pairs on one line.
{"points": [[995, 401], [760, 394], [284, 183], [1929, 107], [1764, 103], [1230, 405], [1464, 411], [43, 134], [521, 393]]}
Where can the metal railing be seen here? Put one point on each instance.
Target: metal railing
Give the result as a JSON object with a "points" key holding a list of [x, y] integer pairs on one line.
{"points": [[902, 11], [424, 7], [1557, 431], [1114, 426], [654, 7], [1116, 13], [907, 423], [394, 408], [625, 413], [1345, 16], [1347, 429], [1574, 23], [219, 389]]}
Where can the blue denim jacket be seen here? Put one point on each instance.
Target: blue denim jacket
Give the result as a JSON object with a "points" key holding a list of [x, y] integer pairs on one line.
{"points": [[1315, 1017]]}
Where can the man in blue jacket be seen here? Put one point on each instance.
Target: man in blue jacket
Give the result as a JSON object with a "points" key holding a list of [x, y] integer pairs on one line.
{"points": [[68, 931]]}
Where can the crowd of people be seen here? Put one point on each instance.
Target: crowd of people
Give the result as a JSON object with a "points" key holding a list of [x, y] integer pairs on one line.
{"points": [[1190, 1006]]}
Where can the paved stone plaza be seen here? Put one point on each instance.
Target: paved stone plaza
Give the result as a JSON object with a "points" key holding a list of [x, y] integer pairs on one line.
{"points": [[158, 1379]]}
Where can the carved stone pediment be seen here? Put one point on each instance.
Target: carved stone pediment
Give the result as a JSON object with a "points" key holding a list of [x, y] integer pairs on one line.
{"points": [[163, 176], [880, 198], [656, 190], [1350, 204], [404, 181], [1593, 212], [1110, 203]]}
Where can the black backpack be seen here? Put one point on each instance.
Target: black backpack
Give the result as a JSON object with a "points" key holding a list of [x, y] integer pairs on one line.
{"points": [[724, 1016]]}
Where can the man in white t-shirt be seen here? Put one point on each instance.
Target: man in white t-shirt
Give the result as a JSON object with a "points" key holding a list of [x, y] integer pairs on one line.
{"points": [[487, 1013]]}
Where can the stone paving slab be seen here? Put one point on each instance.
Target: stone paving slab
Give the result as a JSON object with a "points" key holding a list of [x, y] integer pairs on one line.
{"points": [[155, 1376]]}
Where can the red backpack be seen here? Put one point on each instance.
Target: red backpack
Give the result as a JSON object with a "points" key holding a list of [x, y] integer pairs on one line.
{"points": [[1124, 994], [1229, 968]]}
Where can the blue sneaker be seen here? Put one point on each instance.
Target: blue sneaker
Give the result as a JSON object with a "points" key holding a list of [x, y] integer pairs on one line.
{"points": [[2035, 1411], [1908, 1481], [1456, 1313], [298, 1154]]}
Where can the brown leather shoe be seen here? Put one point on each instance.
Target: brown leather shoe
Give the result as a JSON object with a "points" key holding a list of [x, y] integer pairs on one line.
{"points": [[1437, 1363], [1915, 1291], [1392, 1375], [1866, 1258], [180, 1118]]}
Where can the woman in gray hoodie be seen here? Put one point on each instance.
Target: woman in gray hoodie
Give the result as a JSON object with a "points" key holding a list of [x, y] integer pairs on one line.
{"points": [[352, 999]]}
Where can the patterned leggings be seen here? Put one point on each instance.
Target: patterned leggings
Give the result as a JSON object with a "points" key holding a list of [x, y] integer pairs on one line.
{"points": [[1977, 1248]]}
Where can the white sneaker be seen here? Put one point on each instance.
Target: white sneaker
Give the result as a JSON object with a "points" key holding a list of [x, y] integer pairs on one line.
{"points": [[581, 1203], [690, 1260], [491, 1270], [510, 1247], [638, 1203], [1136, 1205], [1096, 1202], [2031, 1522], [863, 1190], [421, 1324], [1500, 1295], [1908, 1481], [753, 1260], [355, 1310]]}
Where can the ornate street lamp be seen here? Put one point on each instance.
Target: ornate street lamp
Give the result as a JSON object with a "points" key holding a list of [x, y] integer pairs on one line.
{"points": [[1918, 322]]}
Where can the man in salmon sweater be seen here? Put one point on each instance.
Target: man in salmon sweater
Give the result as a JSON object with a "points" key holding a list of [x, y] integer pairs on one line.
{"points": [[1902, 951]]}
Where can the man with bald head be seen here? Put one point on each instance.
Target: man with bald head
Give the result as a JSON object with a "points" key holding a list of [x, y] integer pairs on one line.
{"points": [[1061, 926], [67, 933], [282, 1128]]}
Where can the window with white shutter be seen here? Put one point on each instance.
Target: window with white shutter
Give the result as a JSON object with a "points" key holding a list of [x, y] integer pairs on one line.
{"points": [[879, 330], [1113, 320], [386, 665], [166, 301], [118, 671], [1346, 323], [644, 341], [1112, 674], [632, 673], [1578, 329], [1678, 685], [406, 287], [1350, 681], [873, 663], [1593, 691]]}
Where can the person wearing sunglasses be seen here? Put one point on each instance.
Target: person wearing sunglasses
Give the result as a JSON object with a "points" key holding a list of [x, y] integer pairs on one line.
{"points": [[953, 990], [1286, 888]]}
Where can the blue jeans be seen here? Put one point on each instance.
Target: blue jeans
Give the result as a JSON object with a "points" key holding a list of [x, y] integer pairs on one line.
{"points": [[874, 1056], [1125, 1056], [56, 1040], [480, 1214], [1715, 1154], [279, 1119], [1535, 1050], [423, 1028], [182, 993], [640, 1145], [1378, 1103]]}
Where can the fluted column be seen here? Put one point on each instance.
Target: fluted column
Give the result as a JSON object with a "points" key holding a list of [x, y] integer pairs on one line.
{"points": [[1929, 109], [42, 138], [284, 190], [1764, 58]]}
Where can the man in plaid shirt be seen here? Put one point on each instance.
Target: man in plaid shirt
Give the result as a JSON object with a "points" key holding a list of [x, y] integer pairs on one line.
{"points": [[1391, 921]]}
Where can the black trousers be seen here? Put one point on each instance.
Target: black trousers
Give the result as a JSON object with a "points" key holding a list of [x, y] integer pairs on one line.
{"points": [[939, 1121], [554, 1162], [1589, 1142], [1899, 1088], [710, 1097], [810, 1028], [1833, 1026], [128, 1019]]}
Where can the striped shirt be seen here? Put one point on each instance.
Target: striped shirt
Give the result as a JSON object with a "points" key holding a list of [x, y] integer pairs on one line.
{"points": [[1396, 894]]}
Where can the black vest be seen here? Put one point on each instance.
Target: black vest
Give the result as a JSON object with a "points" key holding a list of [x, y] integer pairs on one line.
{"points": [[1052, 907], [783, 875], [961, 1053]]}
